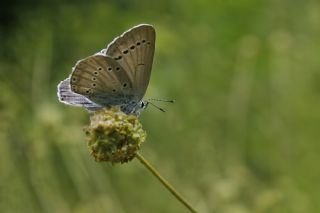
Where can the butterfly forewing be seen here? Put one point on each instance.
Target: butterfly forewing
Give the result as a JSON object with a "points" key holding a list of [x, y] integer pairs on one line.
{"points": [[101, 79], [134, 51]]}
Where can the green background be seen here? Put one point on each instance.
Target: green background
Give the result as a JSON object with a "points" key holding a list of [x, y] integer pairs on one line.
{"points": [[243, 135]]}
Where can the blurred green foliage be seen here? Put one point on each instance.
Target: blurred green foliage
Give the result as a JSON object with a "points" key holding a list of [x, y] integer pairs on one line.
{"points": [[242, 137]]}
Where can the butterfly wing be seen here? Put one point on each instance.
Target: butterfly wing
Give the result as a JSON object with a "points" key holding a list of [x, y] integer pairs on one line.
{"points": [[102, 80], [66, 96], [134, 51]]}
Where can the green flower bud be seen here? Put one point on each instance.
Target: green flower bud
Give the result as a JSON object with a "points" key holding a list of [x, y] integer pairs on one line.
{"points": [[114, 136]]}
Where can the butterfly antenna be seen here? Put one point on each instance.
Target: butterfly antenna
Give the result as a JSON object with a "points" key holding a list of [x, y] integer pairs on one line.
{"points": [[161, 100], [162, 110]]}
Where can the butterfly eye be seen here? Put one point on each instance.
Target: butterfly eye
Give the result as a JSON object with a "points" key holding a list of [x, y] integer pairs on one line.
{"points": [[74, 79], [125, 52], [132, 47], [109, 69], [94, 78], [100, 68], [124, 85], [138, 43], [95, 72], [148, 42], [94, 85], [117, 68], [143, 41]]}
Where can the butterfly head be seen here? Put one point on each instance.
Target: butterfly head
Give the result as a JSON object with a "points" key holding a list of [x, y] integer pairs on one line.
{"points": [[134, 107], [140, 107], [143, 104]]}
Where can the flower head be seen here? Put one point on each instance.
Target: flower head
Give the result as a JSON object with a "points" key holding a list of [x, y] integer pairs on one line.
{"points": [[114, 136]]}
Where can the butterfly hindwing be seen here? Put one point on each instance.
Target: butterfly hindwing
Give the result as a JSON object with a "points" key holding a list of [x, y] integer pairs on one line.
{"points": [[66, 96], [102, 80]]}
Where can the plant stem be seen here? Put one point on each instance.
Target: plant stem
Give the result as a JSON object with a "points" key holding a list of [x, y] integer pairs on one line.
{"points": [[164, 182]]}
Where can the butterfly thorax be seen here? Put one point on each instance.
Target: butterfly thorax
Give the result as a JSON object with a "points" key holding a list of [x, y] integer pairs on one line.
{"points": [[134, 107]]}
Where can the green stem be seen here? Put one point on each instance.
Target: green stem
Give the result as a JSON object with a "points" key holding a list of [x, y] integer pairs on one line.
{"points": [[164, 182]]}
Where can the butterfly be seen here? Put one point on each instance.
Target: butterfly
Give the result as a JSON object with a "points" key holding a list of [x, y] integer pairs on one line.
{"points": [[116, 76]]}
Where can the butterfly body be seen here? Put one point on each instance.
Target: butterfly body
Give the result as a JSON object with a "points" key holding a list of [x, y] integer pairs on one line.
{"points": [[116, 76]]}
